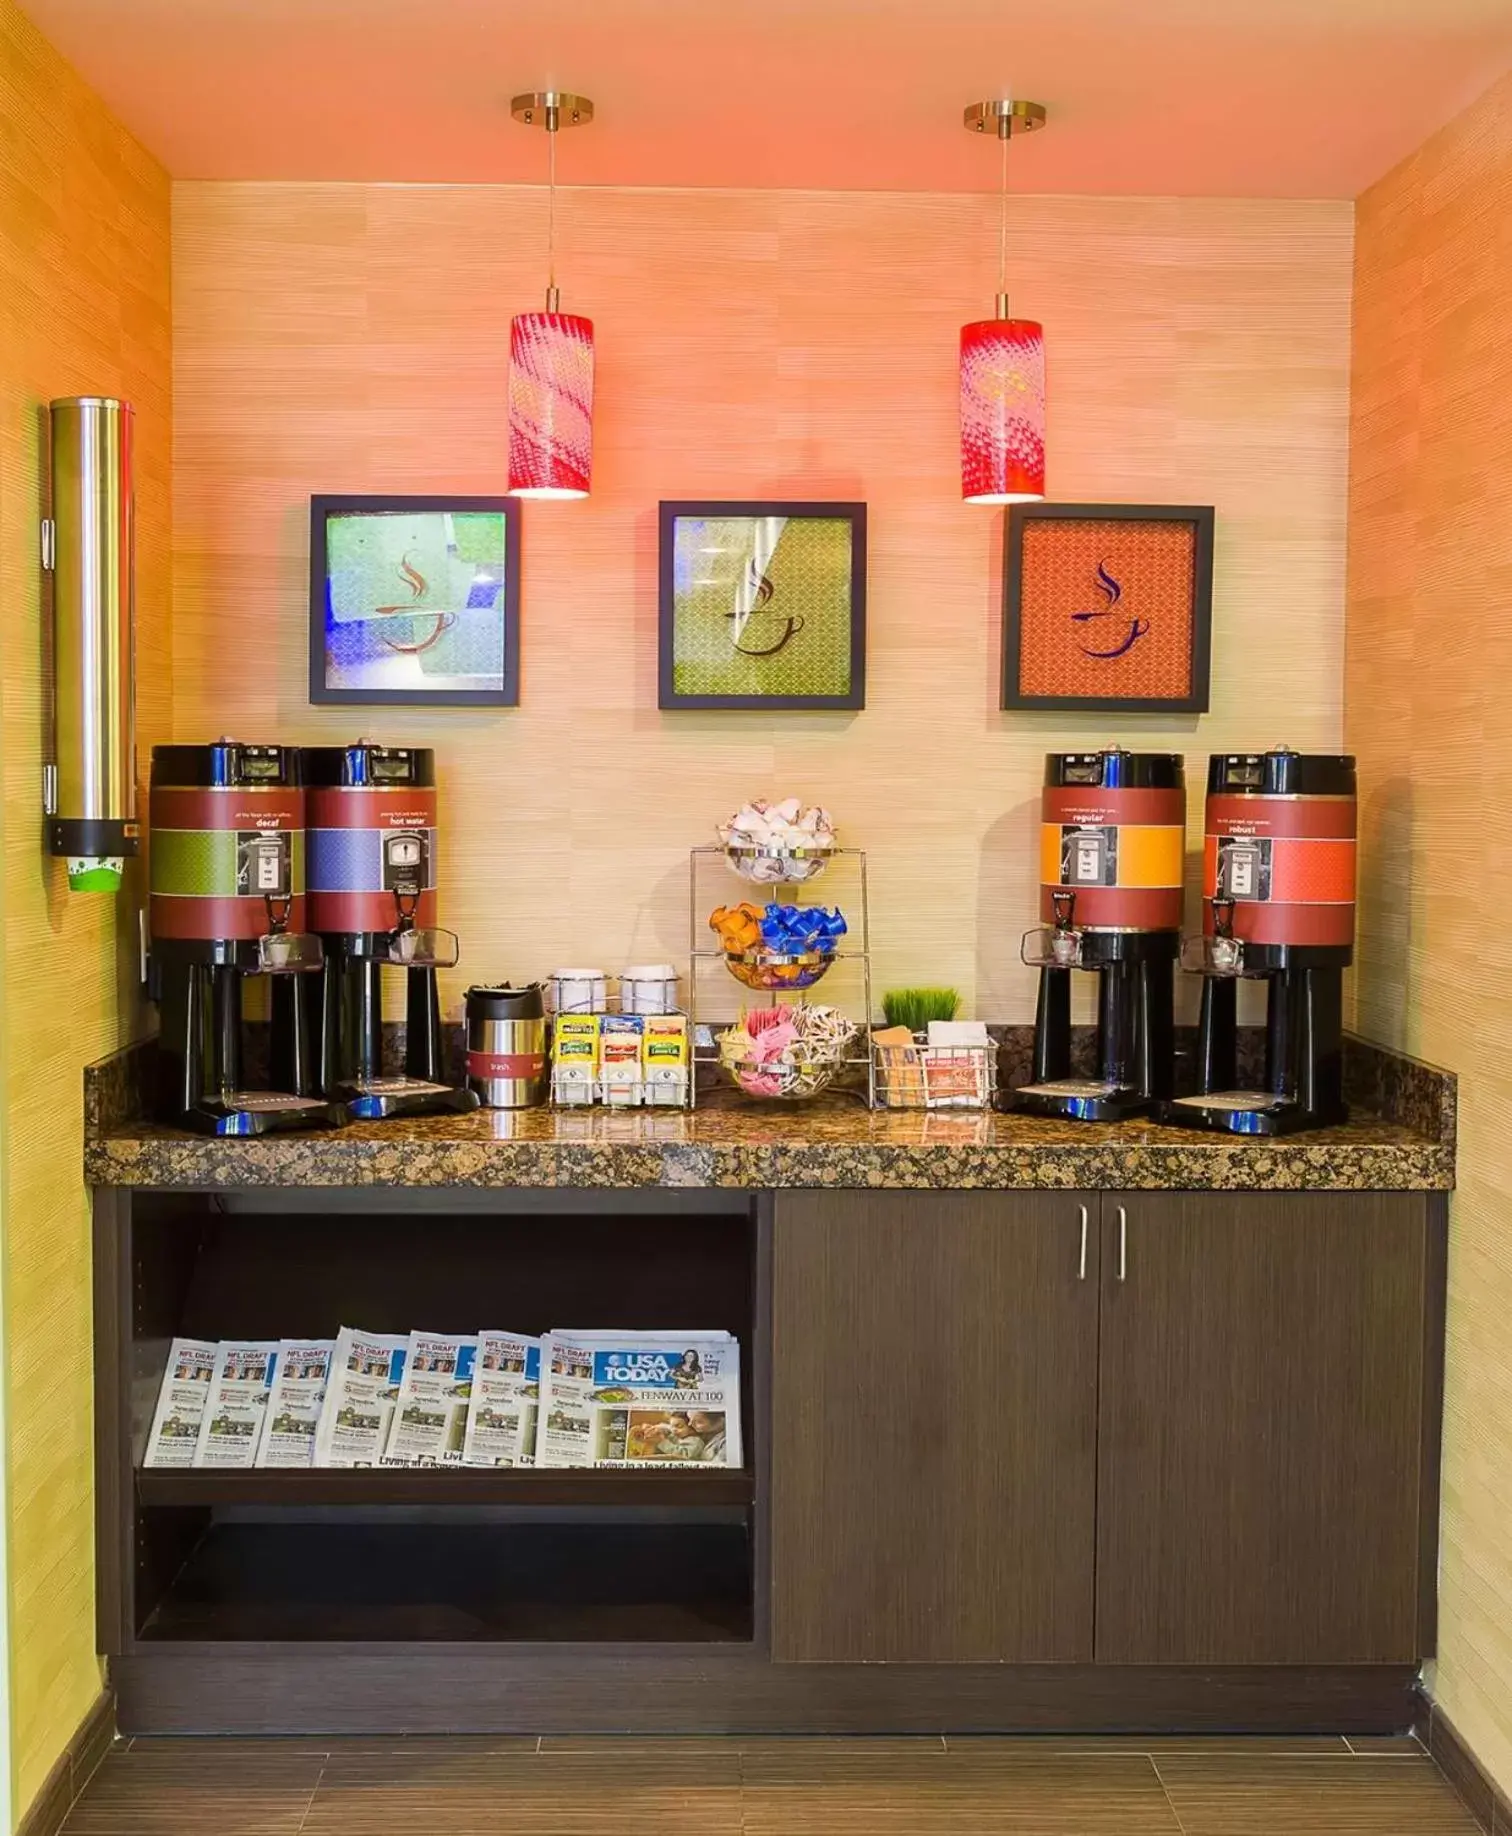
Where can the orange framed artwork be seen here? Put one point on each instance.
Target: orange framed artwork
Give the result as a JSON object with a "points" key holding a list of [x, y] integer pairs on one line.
{"points": [[1108, 606]]}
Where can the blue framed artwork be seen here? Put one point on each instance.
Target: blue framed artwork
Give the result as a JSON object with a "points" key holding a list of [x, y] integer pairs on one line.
{"points": [[415, 600]]}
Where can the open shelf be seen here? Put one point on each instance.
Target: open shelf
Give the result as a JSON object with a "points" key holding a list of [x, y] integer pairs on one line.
{"points": [[312, 1581], [433, 1554], [170, 1487]]}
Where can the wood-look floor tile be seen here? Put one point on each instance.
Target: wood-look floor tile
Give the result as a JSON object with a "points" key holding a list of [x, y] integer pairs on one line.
{"points": [[1239, 1795], [1385, 1746], [1048, 1795], [630, 1789], [1320, 1745], [667, 1747], [173, 1796]]}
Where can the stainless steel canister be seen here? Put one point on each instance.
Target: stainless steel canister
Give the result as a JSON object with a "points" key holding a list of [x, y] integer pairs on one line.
{"points": [[506, 1047]]}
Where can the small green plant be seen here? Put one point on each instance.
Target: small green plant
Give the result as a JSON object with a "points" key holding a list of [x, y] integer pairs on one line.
{"points": [[916, 1007]]}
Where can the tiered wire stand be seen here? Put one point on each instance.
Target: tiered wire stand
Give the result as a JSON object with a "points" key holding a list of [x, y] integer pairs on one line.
{"points": [[716, 998]]}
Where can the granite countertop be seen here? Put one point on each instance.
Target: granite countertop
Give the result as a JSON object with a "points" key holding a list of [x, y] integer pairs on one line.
{"points": [[1401, 1138], [764, 1146]]}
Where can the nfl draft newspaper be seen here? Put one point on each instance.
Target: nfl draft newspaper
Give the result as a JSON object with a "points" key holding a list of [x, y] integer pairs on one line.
{"points": [[367, 1369], [639, 1399], [238, 1406], [430, 1417], [501, 1415], [181, 1403], [293, 1412]]}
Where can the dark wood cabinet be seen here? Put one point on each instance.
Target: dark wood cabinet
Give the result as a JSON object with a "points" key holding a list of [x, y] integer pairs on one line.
{"points": [[934, 1370], [1121, 1461], [1263, 1464]]}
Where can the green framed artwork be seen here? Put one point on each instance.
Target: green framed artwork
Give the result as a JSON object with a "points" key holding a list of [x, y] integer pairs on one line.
{"points": [[762, 605], [415, 601]]}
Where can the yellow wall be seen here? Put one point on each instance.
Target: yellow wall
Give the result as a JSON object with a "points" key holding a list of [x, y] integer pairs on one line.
{"points": [[752, 344], [84, 309], [1428, 703]]}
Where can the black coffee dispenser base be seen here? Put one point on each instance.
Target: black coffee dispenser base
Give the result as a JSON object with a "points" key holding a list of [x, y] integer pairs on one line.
{"points": [[382, 1097], [259, 1112], [1248, 1112], [1078, 1099]]}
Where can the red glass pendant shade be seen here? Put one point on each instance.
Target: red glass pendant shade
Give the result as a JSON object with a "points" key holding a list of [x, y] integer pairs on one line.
{"points": [[550, 405], [1002, 411]]}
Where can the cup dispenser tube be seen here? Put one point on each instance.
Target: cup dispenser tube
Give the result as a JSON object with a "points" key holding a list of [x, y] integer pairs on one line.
{"points": [[88, 542]]}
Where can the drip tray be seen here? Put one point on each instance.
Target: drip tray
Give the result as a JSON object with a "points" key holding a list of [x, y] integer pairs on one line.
{"points": [[1070, 1087], [268, 1102], [1230, 1100], [400, 1086]]}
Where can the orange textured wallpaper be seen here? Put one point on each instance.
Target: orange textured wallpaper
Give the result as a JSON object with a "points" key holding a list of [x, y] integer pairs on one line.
{"points": [[84, 310], [752, 345], [1429, 711]]}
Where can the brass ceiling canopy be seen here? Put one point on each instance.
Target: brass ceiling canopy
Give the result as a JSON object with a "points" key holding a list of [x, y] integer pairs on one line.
{"points": [[1004, 119], [551, 109]]}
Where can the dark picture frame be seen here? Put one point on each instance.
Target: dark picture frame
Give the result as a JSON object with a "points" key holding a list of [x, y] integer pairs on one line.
{"points": [[671, 514], [322, 509], [1023, 517]]}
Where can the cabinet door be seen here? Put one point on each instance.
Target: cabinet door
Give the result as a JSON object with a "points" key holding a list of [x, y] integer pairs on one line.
{"points": [[933, 1427], [1261, 1427]]}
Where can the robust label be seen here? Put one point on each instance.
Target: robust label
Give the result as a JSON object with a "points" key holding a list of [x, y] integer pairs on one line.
{"points": [[1288, 863]]}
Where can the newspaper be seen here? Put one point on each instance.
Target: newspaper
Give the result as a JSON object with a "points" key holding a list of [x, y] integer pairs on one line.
{"points": [[501, 1417], [293, 1412], [639, 1399], [181, 1403], [430, 1418], [232, 1425], [366, 1371]]}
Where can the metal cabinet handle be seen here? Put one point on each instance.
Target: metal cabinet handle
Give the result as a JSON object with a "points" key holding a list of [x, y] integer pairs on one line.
{"points": [[1081, 1269], [1123, 1244]]}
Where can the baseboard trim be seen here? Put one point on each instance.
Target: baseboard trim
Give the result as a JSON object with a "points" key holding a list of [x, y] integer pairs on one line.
{"points": [[423, 1688], [1491, 1808], [74, 1768]]}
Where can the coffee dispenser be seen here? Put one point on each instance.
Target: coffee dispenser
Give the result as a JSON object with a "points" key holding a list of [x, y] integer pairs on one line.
{"points": [[227, 904], [1278, 902], [372, 870], [1112, 841]]}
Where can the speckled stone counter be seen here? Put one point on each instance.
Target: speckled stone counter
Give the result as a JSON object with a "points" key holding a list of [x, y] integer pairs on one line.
{"points": [[766, 1146]]}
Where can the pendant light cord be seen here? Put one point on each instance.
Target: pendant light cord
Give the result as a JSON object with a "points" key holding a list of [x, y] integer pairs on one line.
{"points": [[1005, 134], [551, 140]]}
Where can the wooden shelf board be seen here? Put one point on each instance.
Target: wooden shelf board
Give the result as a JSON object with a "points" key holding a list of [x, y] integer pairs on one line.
{"points": [[430, 1485]]}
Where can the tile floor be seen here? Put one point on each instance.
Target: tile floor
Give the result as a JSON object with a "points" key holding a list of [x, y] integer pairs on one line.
{"points": [[627, 1786]]}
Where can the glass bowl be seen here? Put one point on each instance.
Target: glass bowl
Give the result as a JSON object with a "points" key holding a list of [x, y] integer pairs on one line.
{"points": [[772, 972], [778, 866]]}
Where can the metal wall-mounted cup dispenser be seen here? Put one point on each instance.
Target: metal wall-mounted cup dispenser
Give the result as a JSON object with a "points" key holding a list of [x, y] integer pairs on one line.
{"points": [[88, 543]]}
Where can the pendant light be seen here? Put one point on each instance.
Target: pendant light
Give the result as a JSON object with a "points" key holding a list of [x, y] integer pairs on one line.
{"points": [[1003, 359], [550, 352]]}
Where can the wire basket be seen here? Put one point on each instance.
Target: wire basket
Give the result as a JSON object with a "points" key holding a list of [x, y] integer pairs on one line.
{"points": [[935, 1077], [798, 1075]]}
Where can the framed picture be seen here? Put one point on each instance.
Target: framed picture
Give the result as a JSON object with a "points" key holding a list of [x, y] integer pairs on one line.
{"points": [[763, 605], [415, 601], [1108, 606]]}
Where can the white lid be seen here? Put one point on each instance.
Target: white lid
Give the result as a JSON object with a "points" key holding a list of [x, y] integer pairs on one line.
{"points": [[577, 975], [650, 972]]}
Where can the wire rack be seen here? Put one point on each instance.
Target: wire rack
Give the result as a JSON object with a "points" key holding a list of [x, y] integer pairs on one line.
{"points": [[716, 998]]}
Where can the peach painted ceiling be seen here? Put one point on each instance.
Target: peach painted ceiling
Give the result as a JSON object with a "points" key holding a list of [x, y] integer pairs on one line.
{"points": [[1281, 98]]}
